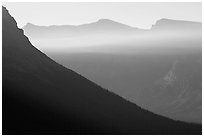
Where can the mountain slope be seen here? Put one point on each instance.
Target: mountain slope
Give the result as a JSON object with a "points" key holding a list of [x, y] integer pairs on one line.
{"points": [[42, 97], [178, 94]]}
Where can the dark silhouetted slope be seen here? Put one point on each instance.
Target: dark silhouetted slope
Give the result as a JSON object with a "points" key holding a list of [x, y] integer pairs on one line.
{"points": [[42, 97]]}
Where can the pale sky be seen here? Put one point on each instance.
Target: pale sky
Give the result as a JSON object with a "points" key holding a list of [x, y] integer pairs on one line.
{"points": [[141, 15]]}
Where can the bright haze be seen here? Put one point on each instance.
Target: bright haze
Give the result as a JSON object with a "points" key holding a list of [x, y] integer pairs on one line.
{"points": [[141, 15], [148, 53]]}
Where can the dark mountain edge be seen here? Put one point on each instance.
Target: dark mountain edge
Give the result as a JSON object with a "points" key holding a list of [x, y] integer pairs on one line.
{"points": [[40, 96]]}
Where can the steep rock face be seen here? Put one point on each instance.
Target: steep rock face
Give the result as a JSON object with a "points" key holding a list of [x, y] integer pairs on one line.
{"points": [[40, 96]]}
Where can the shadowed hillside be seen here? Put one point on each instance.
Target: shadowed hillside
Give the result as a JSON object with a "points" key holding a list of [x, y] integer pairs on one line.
{"points": [[42, 97]]}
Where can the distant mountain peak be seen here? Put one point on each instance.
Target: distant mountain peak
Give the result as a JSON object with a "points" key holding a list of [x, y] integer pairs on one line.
{"points": [[105, 20], [171, 23], [109, 24], [166, 20]]}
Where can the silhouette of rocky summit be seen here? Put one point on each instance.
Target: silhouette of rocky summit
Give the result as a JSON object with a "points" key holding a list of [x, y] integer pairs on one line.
{"points": [[40, 96], [169, 23], [102, 26], [107, 26]]}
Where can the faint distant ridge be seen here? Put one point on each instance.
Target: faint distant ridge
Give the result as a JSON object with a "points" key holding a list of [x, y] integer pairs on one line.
{"points": [[176, 24], [101, 26], [100, 22], [107, 26], [111, 23]]}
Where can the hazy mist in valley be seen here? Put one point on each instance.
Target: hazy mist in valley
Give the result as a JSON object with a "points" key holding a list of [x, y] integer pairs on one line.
{"points": [[133, 63], [101, 68]]}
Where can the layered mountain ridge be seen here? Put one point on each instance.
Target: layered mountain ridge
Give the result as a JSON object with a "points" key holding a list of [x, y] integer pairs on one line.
{"points": [[146, 67], [40, 96]]}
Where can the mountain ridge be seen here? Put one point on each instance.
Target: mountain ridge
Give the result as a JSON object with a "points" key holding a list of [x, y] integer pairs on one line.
{"points": [[103, 20], [107, 27], [40, 96]]}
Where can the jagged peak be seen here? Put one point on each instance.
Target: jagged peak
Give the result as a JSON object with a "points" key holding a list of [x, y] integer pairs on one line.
{"points": [[7, 19]]}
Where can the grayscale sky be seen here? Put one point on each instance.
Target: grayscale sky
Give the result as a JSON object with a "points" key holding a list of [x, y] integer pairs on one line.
{"points": [[141, 15]]}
